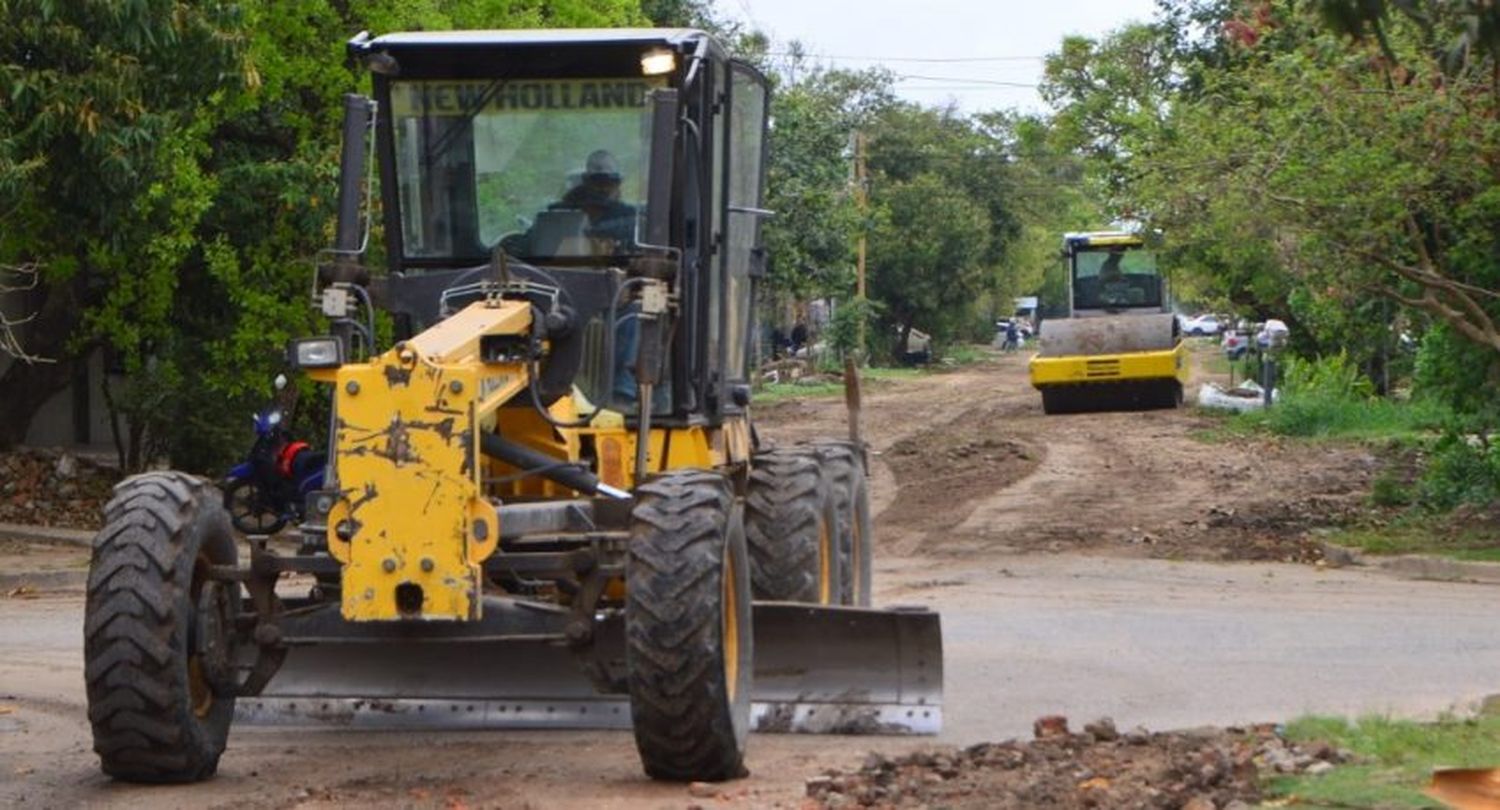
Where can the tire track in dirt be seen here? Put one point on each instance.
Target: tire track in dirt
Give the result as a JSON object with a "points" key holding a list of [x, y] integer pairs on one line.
{"points": [[1101, 483], [948, 478], [942, 473]]}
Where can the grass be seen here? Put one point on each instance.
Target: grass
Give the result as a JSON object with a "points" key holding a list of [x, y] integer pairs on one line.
{"points": [[1396, 759], [964, 354], [828, 389], [1418, 533], [776, 392], [1324, 417]]}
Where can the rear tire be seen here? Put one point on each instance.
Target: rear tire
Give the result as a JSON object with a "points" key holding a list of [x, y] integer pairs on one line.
{"points": [[791, 524], [844, 465], [157, 651], [689, 647]]}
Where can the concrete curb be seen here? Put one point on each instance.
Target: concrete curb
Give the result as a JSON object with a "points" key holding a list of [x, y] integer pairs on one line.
{"points": [[1415, 566], [47, 534], [43, 581]]}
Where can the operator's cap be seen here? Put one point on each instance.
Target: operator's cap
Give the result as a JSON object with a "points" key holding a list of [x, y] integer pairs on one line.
{"points": [[601, 165]]}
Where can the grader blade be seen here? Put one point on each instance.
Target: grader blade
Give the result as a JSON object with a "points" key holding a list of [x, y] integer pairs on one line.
{"points": [[828, 670]]}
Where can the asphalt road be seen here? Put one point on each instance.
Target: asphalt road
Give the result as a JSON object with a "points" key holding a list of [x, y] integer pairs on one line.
{"points": [[1155, 643]]}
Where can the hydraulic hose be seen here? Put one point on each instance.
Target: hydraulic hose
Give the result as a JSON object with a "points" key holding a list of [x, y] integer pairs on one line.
{"points": [[524, 458]]}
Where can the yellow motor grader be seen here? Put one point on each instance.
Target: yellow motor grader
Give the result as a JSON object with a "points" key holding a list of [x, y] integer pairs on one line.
{"points": [[545, 504]]}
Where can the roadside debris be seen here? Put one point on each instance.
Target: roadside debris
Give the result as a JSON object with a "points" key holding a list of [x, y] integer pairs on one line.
{"points": [[1247, 396], [51, 488], [1098, 768]]}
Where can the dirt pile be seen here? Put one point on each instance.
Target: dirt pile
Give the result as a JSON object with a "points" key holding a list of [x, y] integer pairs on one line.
{"points": [[52, 488], [1201, 769], [945, 470], [1278, 530]]}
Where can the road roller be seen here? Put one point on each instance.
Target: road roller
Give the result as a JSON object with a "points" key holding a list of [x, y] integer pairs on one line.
{"points": [[1120, 346]]}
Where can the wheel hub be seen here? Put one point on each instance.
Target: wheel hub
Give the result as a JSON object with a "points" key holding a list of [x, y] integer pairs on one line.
{"points": [[212, 647]]}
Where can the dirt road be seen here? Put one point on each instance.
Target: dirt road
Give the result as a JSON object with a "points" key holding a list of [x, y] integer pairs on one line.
{"points": [[1080, 565]]}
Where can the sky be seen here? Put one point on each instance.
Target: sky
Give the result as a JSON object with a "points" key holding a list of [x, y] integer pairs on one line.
{"points": [[1000, 42]]}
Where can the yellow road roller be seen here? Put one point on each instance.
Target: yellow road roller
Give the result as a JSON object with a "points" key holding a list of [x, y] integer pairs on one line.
{"points": [[1120, 347]]}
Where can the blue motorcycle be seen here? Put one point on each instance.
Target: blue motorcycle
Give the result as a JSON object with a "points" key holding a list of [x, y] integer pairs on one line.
{"points": [[269, 489]]}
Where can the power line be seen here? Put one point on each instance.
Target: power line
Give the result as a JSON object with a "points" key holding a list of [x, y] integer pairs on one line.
{"points": [[967, 81], [942, 60]]}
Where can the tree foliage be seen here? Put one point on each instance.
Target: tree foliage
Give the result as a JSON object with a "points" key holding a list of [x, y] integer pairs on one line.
{"points": [[171, 166]]}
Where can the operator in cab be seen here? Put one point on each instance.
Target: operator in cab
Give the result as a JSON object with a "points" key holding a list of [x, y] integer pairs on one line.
{"points": [[597, 195], [589, 219]]}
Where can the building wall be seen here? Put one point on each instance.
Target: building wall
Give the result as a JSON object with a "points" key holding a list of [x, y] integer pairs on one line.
{"points": [[53, 425]]}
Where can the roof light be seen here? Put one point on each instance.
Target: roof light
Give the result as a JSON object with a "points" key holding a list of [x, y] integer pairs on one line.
{"points": [[658, 61]]}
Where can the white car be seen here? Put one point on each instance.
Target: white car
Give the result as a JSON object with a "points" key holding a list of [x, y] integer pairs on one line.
{"points": [[1201, 325]]}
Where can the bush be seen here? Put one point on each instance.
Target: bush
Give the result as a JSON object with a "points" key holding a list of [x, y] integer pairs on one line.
{"points": [[1388, 490], [1329, 397], [1330, 377], [1462, 469]]}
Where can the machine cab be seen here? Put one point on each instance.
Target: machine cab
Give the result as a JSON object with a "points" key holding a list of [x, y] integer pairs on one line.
{"points": [[578, 160], [1112, 272]]}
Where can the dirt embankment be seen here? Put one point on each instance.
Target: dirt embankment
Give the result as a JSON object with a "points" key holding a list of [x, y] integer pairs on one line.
{"points": [[966, 463]]}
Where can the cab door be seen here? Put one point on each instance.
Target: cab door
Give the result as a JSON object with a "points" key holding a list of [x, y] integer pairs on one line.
{"points": [[744, 257]]}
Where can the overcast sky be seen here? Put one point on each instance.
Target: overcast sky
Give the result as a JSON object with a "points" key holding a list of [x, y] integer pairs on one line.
{"points": [[1009, 36]]}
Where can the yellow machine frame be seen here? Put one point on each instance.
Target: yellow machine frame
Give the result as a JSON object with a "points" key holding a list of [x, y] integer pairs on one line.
{"points": [[413, 507], [1123, 367]]}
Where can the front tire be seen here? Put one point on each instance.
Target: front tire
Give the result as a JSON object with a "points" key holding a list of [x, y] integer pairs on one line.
{"points": [[689, 650], [157, 653]]}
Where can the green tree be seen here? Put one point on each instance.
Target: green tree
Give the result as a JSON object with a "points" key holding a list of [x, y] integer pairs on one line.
{"points": [[106, 105], [927, 256]]}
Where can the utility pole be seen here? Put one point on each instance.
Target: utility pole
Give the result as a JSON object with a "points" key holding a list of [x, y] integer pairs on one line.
{"points": [[863, 203]]}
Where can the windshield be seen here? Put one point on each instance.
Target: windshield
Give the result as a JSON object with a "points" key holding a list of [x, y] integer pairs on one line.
{"points": [[555, 168], [1115, 278]]}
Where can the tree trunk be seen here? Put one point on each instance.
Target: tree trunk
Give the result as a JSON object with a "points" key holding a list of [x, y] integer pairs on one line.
{"points": [[28, 386]]}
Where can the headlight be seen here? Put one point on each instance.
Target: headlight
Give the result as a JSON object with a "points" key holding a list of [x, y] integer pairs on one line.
{"points": [[318, 352], [658, 61]]}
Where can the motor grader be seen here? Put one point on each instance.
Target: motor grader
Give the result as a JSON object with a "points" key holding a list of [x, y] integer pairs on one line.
{"points": [[1120, 346], [545, 504]]}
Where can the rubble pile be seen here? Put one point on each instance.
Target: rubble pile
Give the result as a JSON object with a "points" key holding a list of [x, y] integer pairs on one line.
{"points": [[1100, 767], [53, 488]]}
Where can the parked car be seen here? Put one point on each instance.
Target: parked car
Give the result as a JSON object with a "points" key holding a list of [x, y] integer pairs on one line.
{"points": [[1202, 325]]}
